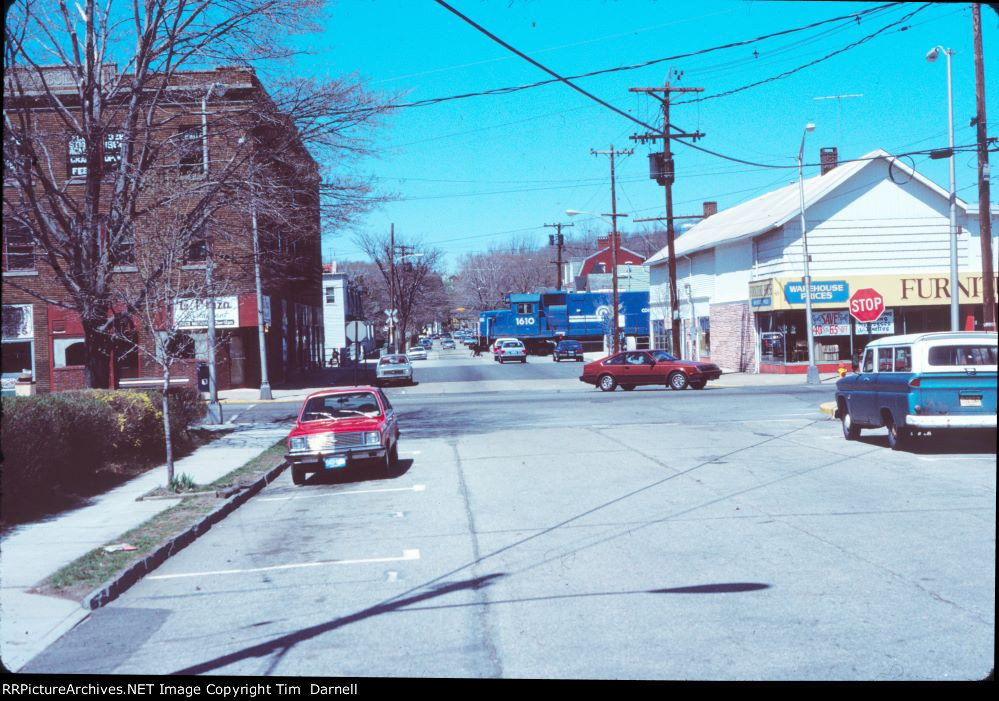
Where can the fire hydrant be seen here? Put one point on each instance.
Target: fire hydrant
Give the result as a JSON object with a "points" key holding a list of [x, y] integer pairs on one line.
{"points": [[841, 371]]}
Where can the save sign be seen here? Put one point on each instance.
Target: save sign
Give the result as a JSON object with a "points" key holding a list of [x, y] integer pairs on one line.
{"points": [[867, 305]]}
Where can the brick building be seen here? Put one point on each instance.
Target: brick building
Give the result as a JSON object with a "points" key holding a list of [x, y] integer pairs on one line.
{"points": [[44, 338]]}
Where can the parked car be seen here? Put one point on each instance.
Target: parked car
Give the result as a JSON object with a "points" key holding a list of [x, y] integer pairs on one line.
{"points": [[921, 383], [631, 369], [447, 344], [426, 343], [568, 350], [393, 368], [340, 428], [496, 346], [417, 352], [511, 350]]}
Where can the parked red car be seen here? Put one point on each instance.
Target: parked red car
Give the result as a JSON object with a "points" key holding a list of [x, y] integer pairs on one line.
{"points": [[338, 428], [655, 367]]}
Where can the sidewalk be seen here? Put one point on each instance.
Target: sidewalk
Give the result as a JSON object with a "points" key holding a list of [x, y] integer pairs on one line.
{"points": [[28, 554]]}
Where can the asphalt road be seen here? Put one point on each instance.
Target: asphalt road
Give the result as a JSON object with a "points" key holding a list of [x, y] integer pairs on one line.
{"points": [[720, 534]]}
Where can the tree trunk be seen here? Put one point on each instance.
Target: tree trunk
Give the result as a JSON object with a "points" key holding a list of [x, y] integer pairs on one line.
{"points": [[97, 345], [166, 426]]}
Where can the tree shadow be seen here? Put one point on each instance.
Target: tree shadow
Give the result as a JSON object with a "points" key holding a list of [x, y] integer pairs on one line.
{"points": [[284, 643]]}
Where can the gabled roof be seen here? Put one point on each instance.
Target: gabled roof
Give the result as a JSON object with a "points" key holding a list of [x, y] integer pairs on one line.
{"points": [[776, 208]]}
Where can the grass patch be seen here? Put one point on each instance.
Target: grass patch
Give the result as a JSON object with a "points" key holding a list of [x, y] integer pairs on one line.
{"points": [[79, 578]]}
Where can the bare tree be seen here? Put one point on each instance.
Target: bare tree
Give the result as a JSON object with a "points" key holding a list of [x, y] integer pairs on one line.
{"points": [[112, 81], [412, 282]]}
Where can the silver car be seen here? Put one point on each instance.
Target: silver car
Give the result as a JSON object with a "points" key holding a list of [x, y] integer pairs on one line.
{"points": [[511, 350], [393, 368]]}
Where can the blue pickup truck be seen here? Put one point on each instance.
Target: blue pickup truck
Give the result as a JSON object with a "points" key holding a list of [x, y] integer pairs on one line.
{"points": [[921, 383]]}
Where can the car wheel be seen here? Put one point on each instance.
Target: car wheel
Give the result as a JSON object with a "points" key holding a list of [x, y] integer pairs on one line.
{"points": [[523, 360], [394, 455], [699, 384], [627, 388], [678, 381], [297, 474], [554, 359], [851, 431], [899, 437], [607, 383]]}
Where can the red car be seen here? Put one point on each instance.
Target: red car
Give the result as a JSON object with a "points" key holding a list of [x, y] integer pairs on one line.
{"points": [[654, 367], [338, 428]]}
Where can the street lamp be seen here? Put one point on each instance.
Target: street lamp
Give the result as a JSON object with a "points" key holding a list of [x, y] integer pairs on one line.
{"points": [[813, 372], [931, 56], [614, 238]]}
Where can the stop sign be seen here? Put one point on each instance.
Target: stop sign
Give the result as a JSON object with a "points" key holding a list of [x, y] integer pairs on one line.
{"points": [[867, 305]]}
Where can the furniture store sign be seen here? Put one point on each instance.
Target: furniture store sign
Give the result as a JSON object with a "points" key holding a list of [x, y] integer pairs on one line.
{"points": [[193, 313]]}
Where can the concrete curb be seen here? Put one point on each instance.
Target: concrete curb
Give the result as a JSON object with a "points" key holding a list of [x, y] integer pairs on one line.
{"points": [[828, 408], [124, 580]]}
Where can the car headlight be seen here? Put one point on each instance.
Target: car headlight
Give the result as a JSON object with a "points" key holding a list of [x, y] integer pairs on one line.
{"points": [[298, 443], [318, 441], [373, 438]]}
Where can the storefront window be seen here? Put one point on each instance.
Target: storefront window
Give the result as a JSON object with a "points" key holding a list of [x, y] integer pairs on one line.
{"points": [[704, 336]]}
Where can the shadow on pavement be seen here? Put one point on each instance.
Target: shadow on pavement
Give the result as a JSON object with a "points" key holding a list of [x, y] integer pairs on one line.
{"points": [[942, 443], [358, 473]]}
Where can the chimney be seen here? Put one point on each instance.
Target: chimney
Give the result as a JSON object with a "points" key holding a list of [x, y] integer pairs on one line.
{"points": [[710, 208], [828, 158], [603, 242]]}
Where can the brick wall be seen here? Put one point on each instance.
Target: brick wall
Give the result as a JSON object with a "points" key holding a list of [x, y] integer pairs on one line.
{"points": [[733, 337]]}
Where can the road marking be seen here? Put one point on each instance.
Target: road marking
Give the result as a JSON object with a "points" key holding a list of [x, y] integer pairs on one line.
{"points": [[414, 488], [413, 554], [975, 459]]}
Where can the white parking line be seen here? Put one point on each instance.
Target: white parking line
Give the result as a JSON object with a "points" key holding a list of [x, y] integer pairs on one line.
{"points": [[406, 555], [414, 488]]}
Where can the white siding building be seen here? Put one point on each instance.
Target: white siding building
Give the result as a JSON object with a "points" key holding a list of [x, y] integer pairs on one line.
{"points": [[739, 272], [341, 305]]}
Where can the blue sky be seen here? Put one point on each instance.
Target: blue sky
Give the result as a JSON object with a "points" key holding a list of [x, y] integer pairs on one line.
{"points": [[476, 172]]}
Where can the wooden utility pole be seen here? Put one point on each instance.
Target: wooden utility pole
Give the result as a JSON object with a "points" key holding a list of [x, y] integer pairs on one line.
{"points": [[392, 308], [614, 237], [984, 206], [664, 175], [557, 240]]}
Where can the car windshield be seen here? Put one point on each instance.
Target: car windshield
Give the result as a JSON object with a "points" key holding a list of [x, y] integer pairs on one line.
{"points": [[662, 356], [340, 406], [513, 344], [393, 360]]}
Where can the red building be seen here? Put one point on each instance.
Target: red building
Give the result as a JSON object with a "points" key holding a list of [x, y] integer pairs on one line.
{"points": [[42, 332]]}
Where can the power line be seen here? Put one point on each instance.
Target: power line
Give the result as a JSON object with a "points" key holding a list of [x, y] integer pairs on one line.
{"points": [[556, 78]]}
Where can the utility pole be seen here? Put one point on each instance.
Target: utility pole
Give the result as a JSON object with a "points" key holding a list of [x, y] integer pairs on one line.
{"points": [[614, 237], [984, 206], [662, 170], [391, 311], [557, 240]]}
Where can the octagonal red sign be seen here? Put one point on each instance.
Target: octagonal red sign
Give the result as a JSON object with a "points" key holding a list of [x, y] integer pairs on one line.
{"points": [[867, 305]]}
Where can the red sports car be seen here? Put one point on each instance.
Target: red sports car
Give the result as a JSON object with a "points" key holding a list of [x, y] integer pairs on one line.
{"points": [[338, 427], [654, 367]]}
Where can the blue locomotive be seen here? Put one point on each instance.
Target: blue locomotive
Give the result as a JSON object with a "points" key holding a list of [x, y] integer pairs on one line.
{"points": [[542, 319]]}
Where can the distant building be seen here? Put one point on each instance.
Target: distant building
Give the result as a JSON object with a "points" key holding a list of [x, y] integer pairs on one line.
{"points": [[341, 305], [739, 272]]}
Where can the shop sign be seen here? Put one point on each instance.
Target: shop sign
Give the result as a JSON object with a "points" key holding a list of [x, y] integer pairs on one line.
{"points": [[830, 324], [823, 291], [760, 294], [884, 325], [193, 313]]}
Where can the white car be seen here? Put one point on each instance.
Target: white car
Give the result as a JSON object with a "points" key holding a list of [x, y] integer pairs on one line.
{"points": [[511, 350], [393, 368], [417, 353]]}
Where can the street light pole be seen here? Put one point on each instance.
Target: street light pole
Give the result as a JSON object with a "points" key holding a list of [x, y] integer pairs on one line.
{"points": [[265, 385], [214, 408], [813, 371], [955, 321]]}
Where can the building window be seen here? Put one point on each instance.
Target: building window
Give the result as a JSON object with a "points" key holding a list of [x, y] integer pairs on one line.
{"points": [[123, 250], [197, 248], [330, 295], [18, 246], [181, 346], [76, 160], [68, 352], [190, 151], [704, 336]]}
